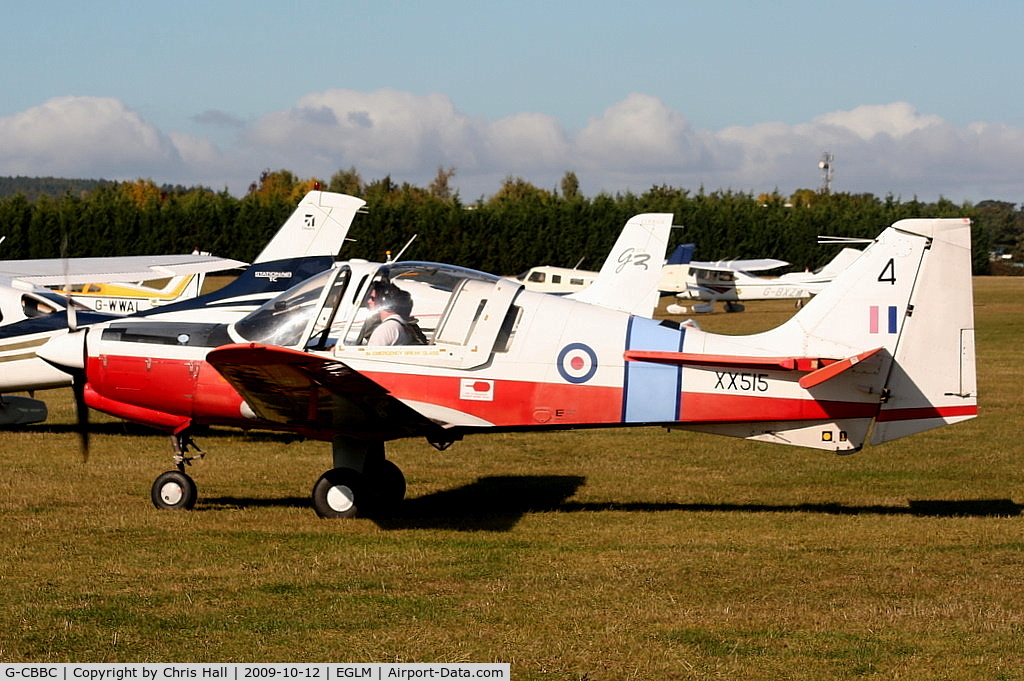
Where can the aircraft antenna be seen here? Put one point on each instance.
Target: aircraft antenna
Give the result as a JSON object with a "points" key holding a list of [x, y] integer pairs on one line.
{"points": [[407, 244], [826, 171], [825, 240]]}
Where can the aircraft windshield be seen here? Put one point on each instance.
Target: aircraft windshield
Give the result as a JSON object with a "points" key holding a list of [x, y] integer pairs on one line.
{"points": [[284, 320]]}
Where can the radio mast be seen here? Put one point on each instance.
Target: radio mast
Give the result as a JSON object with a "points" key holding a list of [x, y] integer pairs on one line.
{"points": [[826, 171]]}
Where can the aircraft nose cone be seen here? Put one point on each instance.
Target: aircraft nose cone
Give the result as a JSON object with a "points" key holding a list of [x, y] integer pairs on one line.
{"points": [[66, 351]]}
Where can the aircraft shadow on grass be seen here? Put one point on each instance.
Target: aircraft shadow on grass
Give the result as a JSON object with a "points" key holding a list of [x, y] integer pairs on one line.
{"points": [[497, 503]]}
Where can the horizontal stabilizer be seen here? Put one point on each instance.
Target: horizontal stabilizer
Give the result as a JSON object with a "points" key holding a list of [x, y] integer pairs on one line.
{"points": [[739, 362], [834, 369]]}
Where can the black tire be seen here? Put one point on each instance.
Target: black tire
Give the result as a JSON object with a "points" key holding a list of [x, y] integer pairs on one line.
{"points": [[174, 491], [338, 493], [386, 487]]}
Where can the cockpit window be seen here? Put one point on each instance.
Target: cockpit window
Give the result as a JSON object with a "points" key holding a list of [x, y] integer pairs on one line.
{"points": [[429, 287], [408, 301], [37, 306], [283, 321]]}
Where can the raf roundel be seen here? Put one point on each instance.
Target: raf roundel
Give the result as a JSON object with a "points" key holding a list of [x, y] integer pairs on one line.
{"points": [[577, 363]]}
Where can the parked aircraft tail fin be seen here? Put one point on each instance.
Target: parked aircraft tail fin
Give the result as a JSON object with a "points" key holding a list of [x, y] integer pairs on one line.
{"points": [[318, 226], [843, 259], [628, 280], [933, 380], [910, 294], [888, 348], [306, 244], [682, 255]]}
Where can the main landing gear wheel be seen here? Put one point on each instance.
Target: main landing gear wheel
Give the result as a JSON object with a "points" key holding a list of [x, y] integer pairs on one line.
{"points": [[731, 306], [336, 492], [346, 493], [174, 491]]}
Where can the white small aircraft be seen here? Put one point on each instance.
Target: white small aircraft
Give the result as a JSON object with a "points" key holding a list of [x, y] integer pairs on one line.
{"points": [[30, 288], [30, 314], [556, 280], [885, 351], [123, 298], [730, 281]]}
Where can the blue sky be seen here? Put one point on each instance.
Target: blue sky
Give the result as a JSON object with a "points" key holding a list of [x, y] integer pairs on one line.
{"points": [[913, 98]]}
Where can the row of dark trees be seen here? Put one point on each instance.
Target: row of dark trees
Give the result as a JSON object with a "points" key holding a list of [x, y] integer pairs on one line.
{"points": [[521, 225]]}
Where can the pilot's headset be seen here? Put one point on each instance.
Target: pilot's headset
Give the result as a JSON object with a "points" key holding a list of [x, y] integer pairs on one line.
{"points": [[390, 297]]}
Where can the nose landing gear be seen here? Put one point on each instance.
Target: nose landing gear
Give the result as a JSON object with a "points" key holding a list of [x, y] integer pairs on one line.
{"points": [[175, 490]]}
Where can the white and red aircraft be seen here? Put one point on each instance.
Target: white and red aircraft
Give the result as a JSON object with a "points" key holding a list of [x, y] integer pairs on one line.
{"points": [[30, 314], [886, 349]]}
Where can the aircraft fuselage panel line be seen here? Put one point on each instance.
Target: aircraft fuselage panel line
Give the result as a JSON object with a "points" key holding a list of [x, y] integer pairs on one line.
{"points": [[652, 391]]}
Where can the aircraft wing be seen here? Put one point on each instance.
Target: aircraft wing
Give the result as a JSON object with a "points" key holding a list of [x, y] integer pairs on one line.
{"points": [[60, 271], [315, 394], [756, 265]]}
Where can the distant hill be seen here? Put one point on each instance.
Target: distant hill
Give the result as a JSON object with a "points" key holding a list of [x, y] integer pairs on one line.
{"points": [[34, 187]]}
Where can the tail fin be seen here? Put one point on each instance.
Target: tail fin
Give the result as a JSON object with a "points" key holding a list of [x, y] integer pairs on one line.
{"points": [[887, 349], [682, 255], [256, 285], [933, 382], [317, 227], [909, 294], [628, 280], [843, 259]]}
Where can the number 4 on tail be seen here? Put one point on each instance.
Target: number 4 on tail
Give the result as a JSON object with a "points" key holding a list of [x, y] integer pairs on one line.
{"points": [[888, 272]]}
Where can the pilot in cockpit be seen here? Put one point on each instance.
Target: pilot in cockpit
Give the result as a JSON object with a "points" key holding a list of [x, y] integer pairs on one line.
{"points": [[391, 322]]}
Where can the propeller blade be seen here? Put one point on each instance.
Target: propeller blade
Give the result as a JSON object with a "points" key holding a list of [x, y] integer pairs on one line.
{"points": [[82, 413], [69, 353], [69, 306]]}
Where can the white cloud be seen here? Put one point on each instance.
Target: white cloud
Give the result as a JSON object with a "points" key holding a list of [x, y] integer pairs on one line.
{"points": [[896, 120], [84, 137], [641, 133], [632, 145], [381, 132], [524, 141]]}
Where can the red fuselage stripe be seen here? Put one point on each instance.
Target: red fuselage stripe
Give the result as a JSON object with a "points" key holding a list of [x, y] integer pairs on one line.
{"points": [[209, 398], [926, 413]]}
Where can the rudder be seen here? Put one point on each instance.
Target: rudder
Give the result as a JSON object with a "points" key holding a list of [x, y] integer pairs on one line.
{"points": [[317, 227], [932, 381]]}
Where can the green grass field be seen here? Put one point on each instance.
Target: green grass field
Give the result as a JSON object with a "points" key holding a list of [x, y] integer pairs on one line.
{"points": [[613, 554]]}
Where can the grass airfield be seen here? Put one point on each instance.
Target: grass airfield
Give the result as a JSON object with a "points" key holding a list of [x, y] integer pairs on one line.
{"points": [[608, 554]]}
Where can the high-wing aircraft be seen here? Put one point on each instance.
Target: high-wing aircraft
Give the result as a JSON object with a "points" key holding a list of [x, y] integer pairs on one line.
{"points": [[886, 349], [124, 298], [27, 287], [307, 243], [556, 280], [730, 281]]}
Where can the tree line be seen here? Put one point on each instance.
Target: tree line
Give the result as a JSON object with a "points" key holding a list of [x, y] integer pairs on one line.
{"points": [[520, 226]]}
